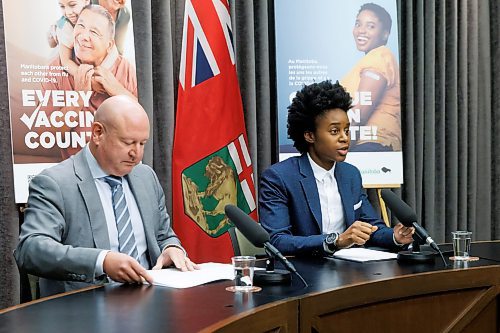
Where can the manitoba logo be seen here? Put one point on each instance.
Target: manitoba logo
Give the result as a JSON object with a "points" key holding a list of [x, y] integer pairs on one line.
{"points": [[224, 177]]}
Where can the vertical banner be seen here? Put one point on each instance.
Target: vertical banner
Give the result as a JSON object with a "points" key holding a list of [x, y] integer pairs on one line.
{"points": [[356, 43], [211, 161], [63, 60]]}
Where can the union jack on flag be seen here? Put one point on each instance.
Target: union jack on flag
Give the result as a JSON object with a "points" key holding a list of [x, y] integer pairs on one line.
{"points": [[205, 66]]}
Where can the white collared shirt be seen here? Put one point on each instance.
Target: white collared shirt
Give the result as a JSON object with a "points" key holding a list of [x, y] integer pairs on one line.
{"points": [[104, 191], [332, 211]]}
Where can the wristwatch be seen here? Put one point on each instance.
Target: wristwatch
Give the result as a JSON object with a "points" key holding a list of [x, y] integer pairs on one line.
{"points": [[331, 241]]}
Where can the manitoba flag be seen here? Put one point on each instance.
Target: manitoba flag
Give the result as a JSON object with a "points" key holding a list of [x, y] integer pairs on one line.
{"points": [[211, 162]]}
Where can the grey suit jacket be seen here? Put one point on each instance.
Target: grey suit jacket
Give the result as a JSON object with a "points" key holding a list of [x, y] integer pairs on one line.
{"points": [[65, 229]]}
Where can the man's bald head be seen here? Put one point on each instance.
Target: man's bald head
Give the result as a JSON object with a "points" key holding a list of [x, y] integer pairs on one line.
{"points": [[120, 110], [119, 133]]}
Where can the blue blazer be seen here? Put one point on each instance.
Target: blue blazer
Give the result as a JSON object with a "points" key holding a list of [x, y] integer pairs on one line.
{"points": [[289, 206]]}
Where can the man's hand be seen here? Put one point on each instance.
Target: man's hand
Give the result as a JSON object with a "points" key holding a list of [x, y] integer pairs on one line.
{"points": [[123, 268], [97, 87], [175, 255], [83, 77], [108, 81], [402, 234], [358, 233]]}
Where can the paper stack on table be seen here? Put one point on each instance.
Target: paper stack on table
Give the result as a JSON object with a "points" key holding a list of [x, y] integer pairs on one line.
{"points": [[208, 272], [360, 254]]}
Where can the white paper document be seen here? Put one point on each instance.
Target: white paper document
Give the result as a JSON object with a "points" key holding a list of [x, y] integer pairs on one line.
{"points": [[208, 272], [361, 254]]}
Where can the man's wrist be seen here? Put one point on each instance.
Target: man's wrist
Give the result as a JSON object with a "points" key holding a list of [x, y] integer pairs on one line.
{"points": [[99, 265], [395, 241], [177, 246]]}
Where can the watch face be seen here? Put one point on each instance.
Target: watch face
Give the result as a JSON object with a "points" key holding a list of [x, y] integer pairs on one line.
{"points": [[331, 238]]}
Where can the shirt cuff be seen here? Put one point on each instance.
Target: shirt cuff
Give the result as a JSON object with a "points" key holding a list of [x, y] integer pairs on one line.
{"points": [[394, 240], [99, 264], [177, 246]]}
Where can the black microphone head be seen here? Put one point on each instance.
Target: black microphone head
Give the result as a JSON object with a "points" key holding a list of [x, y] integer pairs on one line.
{"points": [[248, 227], [404, 213]]}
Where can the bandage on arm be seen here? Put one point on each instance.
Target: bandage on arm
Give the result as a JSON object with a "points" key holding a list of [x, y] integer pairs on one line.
{"points": [[376, 84]]}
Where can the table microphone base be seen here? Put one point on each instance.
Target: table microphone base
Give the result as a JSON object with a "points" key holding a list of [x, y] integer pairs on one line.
{"points": [[416, 256], [278, 276]]}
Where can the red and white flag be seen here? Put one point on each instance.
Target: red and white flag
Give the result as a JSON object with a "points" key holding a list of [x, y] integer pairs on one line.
{"points": [[211, 162]]}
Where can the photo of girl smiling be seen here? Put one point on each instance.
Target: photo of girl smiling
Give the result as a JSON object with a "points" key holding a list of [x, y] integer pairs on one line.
{"points": [[375, 75]]}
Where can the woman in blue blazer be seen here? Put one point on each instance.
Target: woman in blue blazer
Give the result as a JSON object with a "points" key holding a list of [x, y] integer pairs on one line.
{"points": [[315, 203]]}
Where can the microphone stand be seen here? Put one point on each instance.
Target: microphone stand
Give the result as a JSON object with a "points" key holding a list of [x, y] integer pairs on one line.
{"points": [[415, 255], [271, 275]]}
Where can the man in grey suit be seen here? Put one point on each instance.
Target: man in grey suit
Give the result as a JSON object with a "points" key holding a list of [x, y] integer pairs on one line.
{"points": [[70, 237]]}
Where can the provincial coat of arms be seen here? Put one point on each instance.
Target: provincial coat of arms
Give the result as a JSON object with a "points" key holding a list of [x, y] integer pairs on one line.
{"points": [[214, 182]]}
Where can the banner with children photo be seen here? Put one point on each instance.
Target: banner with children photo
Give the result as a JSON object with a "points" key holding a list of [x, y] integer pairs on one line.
{"points": [[356, 43], [64, 58]]}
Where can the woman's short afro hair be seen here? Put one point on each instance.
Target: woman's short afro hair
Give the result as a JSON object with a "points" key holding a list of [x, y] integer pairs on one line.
{"points": [[310, 102]]}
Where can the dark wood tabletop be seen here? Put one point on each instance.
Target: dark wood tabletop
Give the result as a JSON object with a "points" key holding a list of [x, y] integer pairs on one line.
{"points": [[141, 308]]}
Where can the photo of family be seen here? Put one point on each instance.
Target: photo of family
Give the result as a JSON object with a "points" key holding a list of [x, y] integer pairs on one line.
{"points": [[66, 59], [87, 47]]}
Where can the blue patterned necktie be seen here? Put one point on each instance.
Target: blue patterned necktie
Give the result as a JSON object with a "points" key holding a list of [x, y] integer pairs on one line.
{"points": [[126, 237]]}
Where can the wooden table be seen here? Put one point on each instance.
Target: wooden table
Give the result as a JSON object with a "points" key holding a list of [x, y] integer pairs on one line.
{"points": [[342, 296]]}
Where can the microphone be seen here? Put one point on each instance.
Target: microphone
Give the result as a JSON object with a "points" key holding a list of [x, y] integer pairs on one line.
{"points": [[276, 253], [248, 227], [407, 216], [255, 233], [259, 237]]}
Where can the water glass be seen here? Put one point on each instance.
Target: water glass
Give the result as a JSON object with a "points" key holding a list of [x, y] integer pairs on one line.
{"points": [[243, 272], [461, 244]]}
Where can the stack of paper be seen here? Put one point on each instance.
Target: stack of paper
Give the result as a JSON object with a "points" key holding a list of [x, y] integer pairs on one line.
{"points": [[208, 272], [360, 254]]}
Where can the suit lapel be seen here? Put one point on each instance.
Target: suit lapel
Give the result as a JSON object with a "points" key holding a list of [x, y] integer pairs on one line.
{"points": [[345, 193], [310, 189], [92, 201]]}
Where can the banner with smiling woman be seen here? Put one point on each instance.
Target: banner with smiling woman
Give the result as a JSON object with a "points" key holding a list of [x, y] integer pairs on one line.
{"points": [[63, 61], [356, 43]]}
